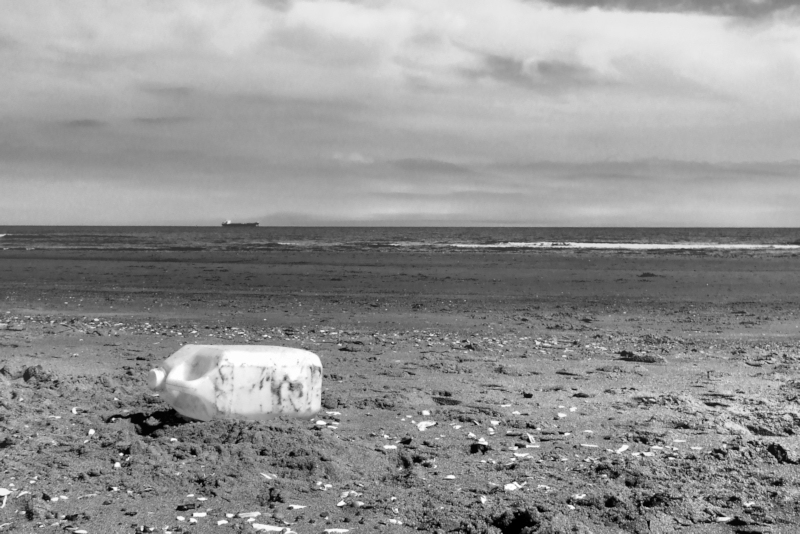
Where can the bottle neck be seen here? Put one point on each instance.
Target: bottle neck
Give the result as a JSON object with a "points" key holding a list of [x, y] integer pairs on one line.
{"points": [[156, 379]]}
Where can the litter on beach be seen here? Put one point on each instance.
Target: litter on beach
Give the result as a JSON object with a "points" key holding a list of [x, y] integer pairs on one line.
{"points": [[513, 486], [423, 425]]}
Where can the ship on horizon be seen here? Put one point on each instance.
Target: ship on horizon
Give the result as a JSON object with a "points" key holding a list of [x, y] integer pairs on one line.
{"points": [[230, 223]]}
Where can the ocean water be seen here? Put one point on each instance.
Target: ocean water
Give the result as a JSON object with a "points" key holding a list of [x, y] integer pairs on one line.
{"points": [[437, 239]]}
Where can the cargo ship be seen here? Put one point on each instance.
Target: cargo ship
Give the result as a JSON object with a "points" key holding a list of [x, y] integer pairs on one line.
{"points": [[229, 223]]}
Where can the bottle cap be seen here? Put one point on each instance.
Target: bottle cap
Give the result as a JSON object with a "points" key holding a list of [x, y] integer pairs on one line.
{"points": [[155, 380]]}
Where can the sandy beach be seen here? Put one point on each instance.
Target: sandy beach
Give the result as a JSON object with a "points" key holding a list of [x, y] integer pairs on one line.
{"points": [[571, 391]]}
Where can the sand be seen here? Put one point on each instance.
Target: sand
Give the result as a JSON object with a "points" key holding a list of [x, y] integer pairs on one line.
{"points": [[571, 392]]}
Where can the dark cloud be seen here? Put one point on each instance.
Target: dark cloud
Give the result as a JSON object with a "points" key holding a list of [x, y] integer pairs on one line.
{"points": [[7, 42], [277, 5], [654, 170], [543, 75], [737, 8]]}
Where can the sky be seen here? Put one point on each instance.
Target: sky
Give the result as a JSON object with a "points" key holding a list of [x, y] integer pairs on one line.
{"points": [[400, 112]]}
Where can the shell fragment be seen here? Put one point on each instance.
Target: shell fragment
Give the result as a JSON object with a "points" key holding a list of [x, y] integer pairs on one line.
{"points": [[422, 425]]}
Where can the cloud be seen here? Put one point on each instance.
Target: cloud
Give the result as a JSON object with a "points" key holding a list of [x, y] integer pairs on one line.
{"points": [[388, 51], [334, 105], [429, 166], [353, 158], [168, 91], [84, 123], [161, 121], [540, 75], [278, 5], [737, 8]]}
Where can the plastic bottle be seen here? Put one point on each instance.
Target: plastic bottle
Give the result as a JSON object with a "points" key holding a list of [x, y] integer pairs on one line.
{"points": [[254, 382]]}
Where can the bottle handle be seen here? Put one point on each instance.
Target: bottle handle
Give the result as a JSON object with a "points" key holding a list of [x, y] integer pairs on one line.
{"points": [[202, 387]]}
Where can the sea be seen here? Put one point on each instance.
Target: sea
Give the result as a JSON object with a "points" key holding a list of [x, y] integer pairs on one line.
{"points": [[432, 239]]}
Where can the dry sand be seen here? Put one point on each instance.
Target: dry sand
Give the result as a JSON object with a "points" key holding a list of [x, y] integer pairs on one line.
{"points": [[571, 391]]}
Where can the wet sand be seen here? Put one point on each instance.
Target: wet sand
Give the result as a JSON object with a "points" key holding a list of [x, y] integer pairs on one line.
{"points": [[613, 392]]}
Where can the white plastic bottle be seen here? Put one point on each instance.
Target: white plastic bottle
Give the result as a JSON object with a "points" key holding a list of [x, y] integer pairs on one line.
{"points": [[254, 382]]}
